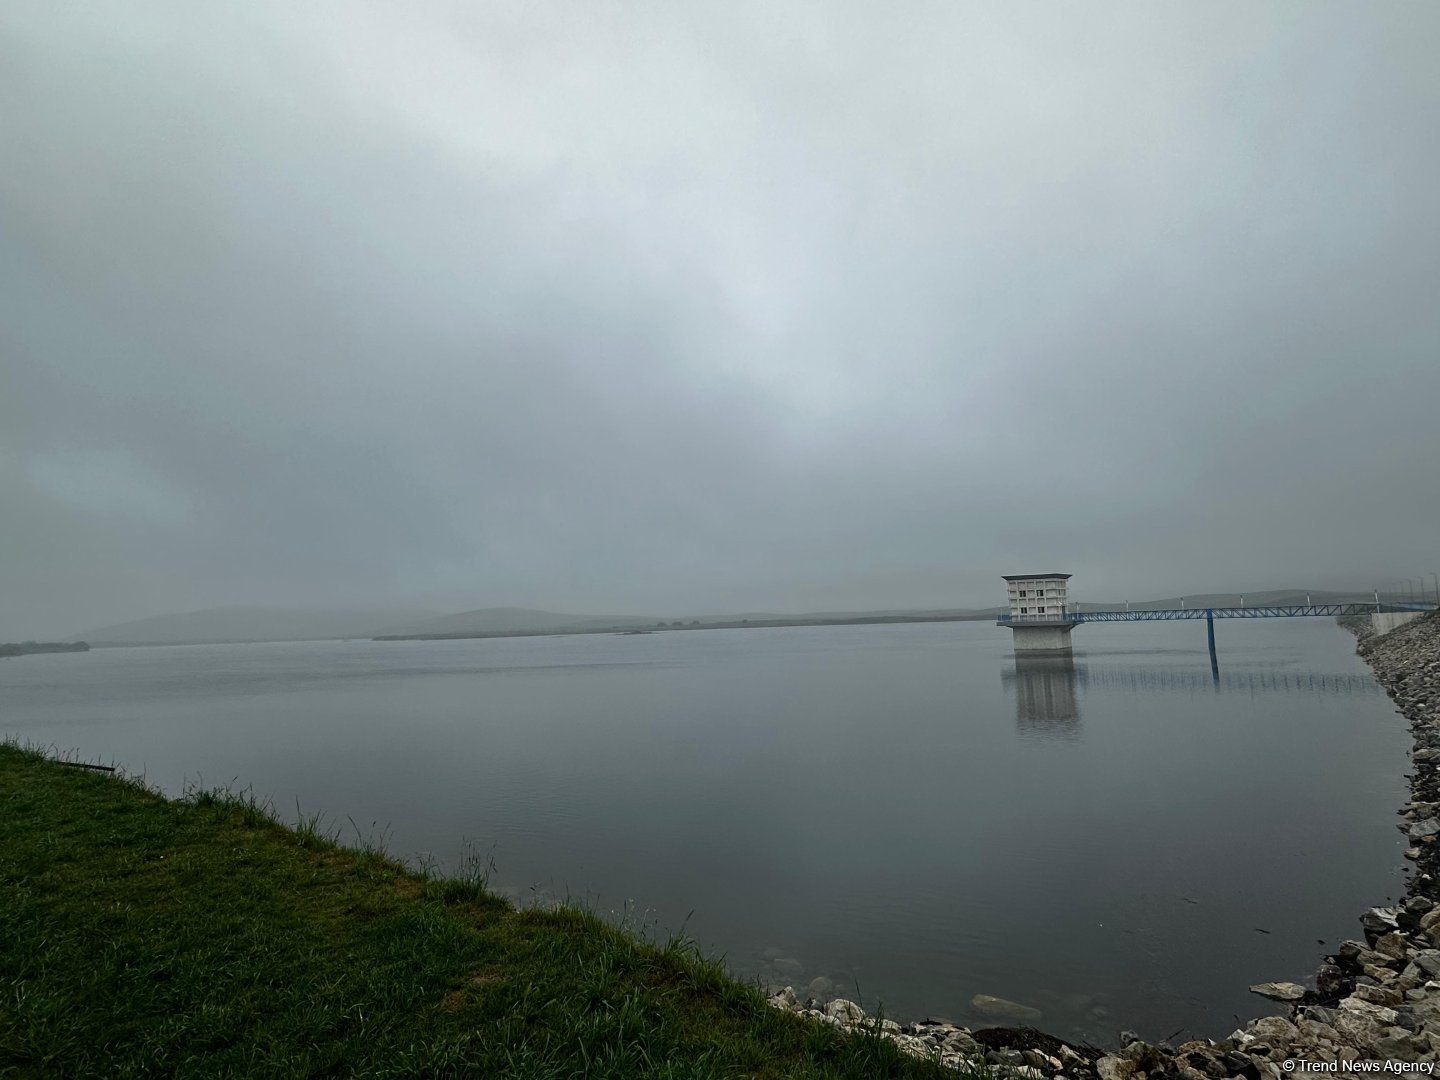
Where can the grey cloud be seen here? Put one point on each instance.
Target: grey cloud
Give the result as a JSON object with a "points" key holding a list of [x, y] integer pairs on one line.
{"points": [[657, 308]]}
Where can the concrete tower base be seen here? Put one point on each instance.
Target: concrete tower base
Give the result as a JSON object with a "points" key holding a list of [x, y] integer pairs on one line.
{"points": [[1042, 639]]}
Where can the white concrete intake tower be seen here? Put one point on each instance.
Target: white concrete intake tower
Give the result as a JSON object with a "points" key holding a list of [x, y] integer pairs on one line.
{"points": [[1039, 615]]}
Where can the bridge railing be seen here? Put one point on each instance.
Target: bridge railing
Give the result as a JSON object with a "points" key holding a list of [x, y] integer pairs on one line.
{"points": [[1258, 611]]}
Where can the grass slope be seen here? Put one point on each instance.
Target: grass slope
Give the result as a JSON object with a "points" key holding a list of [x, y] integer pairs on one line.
{"points": [[200, 938]]}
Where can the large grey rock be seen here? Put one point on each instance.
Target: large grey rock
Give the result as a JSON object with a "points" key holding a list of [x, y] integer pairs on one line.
{"points": [[1359, 1032], [1379, 995], [1279, 991], [915, 1046], [1262, 1051], [1041, 1061], [1397, 1044], [959, 1042], [1380, 920], [1135, 1051], [1394, 945], [784, 999], [1430, 920], [847, 1012], [1353, 952], [1275, 1030], [1316, 1030], [1427, 1011], [1069, 1057], [1240, 1064], [1114, 1068], [1378, 1014], [998, 1008], [1426, 828]]}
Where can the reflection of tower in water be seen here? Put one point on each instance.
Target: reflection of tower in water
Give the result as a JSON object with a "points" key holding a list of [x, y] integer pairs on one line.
{"points": [[1045, 701]]}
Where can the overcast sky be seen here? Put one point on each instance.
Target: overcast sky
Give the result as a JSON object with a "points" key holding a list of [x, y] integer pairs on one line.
{"points": [[670, 308]]}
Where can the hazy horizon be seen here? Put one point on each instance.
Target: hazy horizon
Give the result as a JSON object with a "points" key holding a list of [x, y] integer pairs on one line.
{"points": [[254, 623], [664, 308]]}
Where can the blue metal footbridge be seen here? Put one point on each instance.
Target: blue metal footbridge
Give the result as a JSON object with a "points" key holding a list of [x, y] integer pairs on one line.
{"points": [[1209, 614], [1067, 619]]}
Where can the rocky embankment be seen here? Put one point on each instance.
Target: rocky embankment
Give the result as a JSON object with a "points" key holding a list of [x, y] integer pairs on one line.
{"points": [[1375, 1000]]}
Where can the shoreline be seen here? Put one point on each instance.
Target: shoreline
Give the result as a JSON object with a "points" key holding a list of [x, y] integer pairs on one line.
{"points": [[34, 648], [1376, 999]]}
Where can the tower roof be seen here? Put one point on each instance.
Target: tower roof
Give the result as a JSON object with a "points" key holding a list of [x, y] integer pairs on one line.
{"points": [[1032, 577]]}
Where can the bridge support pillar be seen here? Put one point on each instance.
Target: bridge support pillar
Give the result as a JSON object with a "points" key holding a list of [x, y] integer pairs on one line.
{"points": [[1042, 639]]}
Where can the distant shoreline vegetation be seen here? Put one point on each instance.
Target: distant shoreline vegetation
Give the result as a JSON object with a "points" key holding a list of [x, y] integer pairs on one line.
{"points": [[20, 648]]}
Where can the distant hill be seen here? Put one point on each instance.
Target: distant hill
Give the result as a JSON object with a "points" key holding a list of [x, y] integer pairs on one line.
{"points": [[240, 624], [243, 624], [24, 648], [506, 620], [499, 622]]}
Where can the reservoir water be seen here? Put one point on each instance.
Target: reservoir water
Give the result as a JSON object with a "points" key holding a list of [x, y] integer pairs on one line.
{"points": [[904, 811]]}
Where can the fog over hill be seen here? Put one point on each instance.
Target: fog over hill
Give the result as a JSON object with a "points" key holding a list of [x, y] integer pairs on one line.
{"points": [[255, 624], [526, 620], [249, 624], [503, 619]]}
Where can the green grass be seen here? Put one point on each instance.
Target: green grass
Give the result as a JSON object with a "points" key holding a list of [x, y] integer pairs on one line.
{"points": [[201, 937]]}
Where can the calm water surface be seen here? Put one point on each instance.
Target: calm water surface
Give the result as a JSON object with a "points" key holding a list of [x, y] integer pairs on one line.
{"points": [[1118, 841]]}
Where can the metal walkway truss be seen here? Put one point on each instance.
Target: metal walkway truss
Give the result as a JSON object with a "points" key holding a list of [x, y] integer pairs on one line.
{"points": [[1284, 611]]}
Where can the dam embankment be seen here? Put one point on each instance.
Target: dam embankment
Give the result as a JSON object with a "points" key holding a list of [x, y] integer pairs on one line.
{"points": [[1383, 622]]}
